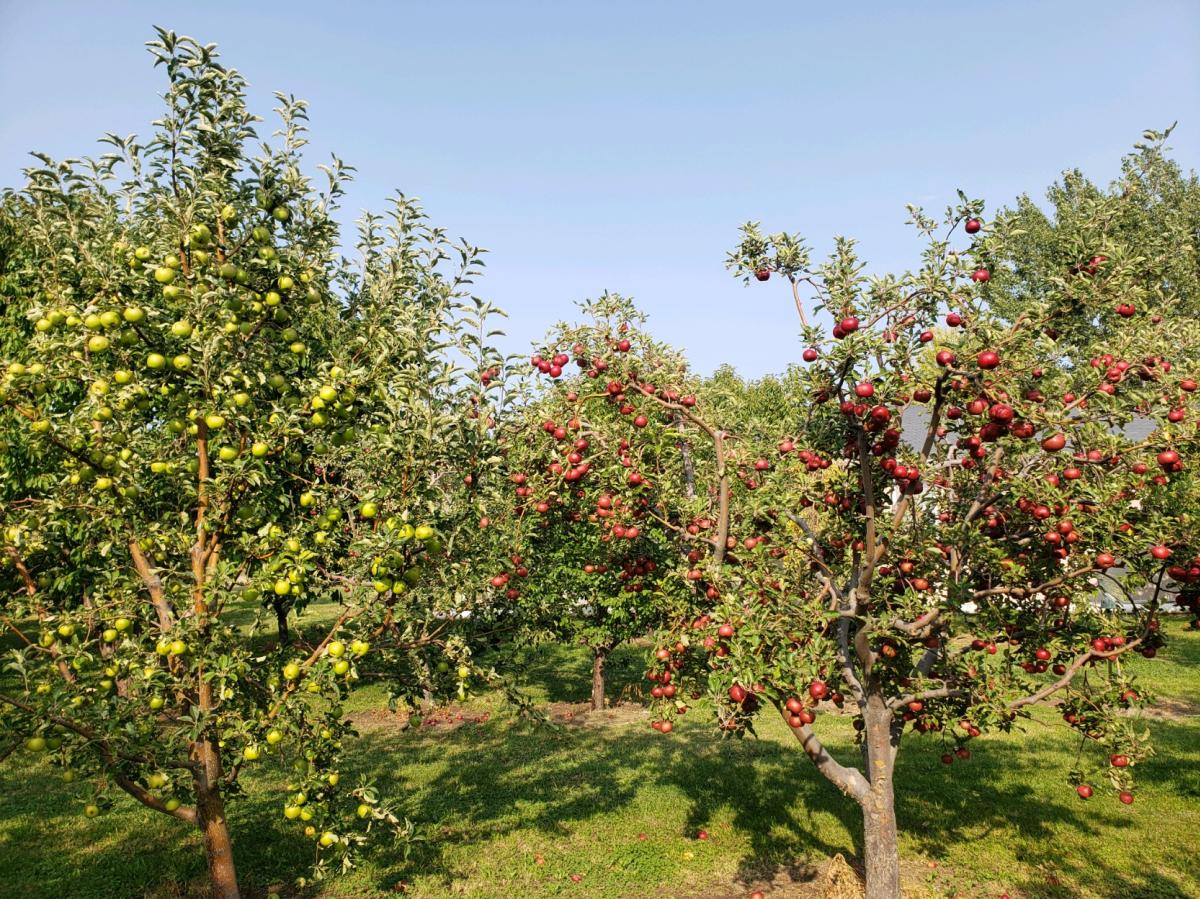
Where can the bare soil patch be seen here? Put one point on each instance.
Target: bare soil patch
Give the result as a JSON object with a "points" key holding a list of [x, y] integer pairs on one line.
{"points": [[580, 714], [448, 718], [1166, 709], [834, 878]]}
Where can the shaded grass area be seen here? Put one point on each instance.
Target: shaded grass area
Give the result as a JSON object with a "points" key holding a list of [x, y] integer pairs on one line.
{"points": [[496, 796]]}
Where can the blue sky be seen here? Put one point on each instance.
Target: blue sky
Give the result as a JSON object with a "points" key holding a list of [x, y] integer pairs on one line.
{"points": [[618, 145]]}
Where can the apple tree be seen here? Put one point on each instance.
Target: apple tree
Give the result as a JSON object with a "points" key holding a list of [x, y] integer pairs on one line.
{"points": [[215, 412], [592, 465], [1154, 205], [943, 585]]}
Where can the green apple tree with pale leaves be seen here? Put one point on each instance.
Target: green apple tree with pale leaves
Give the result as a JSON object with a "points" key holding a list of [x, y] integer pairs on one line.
{"points": [[216, 413]]}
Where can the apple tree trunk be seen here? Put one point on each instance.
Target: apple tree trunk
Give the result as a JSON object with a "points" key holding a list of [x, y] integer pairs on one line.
{"points": [[599, 658], [881, 851], [214, 828], [281, 619]]}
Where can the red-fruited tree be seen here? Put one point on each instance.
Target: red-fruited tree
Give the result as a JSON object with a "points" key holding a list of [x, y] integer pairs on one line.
{"points": [[944, 584], [589, 462]]}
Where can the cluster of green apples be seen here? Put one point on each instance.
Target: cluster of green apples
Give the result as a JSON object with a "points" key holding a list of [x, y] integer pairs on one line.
{"points": [[407, 547]]}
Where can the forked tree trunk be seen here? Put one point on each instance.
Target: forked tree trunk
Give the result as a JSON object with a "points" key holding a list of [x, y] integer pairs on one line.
{"points": [[210, 817], [599, 657], [881, 850]]}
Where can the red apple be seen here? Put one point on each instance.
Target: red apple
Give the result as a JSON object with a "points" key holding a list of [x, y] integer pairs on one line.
{"points": [[1054, 443], [988, 359]]}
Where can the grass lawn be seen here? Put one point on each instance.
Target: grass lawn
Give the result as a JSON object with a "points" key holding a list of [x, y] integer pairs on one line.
{"points": [[611, 800]]}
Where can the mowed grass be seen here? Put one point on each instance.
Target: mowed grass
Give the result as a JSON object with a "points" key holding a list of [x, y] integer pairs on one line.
{"points": [[621, 805]]}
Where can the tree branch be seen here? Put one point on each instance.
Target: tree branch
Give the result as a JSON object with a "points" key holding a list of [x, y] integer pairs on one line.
{"points": [[850, 781]]}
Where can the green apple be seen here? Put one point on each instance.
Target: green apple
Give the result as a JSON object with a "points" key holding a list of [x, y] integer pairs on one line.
{"points": [[274, 737], [368, 510], [36, 744], [250, 753], [122, 624], [181, 329], [133, 314], [164, 274], [98, 343], [291, 671]]}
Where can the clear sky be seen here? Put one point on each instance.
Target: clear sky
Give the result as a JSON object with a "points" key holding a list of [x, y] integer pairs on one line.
{"points": [[618, 145]]}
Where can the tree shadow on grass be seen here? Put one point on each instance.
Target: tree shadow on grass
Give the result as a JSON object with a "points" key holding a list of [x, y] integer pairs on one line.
{"points": [[476, 784], [49, 848], [1016, 790], [502, 780]]}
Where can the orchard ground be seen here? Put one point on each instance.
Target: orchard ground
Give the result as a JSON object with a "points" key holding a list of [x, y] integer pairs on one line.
{"points": [[509, 810]]}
